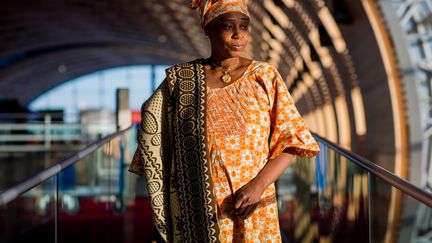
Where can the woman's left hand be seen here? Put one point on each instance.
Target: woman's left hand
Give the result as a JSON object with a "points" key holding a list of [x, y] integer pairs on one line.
{"points": [[246, 199]]}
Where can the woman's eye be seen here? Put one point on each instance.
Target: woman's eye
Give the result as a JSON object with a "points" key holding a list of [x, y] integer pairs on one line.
{"points": [[227, 27], [244, 27]]}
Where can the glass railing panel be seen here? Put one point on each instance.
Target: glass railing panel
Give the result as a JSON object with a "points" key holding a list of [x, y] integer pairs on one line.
{"points": [[12, 171], [32, 216], [44, 139], [86, 196], [101, 200], [88, 193], [133, 221], [324, 199], [396, 216]]}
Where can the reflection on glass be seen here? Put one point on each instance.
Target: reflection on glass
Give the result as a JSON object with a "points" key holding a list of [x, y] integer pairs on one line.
{"points": [[324, 199], [422, 225], [31, 217], [97, 201], [101, 200], [396, 216], [13, 172]]}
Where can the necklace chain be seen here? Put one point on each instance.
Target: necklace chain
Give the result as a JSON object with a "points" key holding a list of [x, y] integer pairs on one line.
{"points": [[226, 78]]}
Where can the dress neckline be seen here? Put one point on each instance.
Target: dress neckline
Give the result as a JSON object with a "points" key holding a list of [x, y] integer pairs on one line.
{"points": [[246, 71]]}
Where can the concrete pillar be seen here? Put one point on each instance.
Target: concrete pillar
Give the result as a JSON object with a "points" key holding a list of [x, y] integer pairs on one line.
{"points": [[123, 113]]}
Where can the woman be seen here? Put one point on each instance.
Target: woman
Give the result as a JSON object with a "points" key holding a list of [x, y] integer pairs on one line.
{"points": [[215, 137]]}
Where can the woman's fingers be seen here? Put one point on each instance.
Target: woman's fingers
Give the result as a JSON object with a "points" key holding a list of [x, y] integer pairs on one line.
{"points": [[240, 210], [252, 209], [245, 208], [248, 210], [239, 200], [245, 201]]}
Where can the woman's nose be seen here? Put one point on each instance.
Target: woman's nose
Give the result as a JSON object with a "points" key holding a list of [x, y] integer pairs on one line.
{"points": [[237, 33]]}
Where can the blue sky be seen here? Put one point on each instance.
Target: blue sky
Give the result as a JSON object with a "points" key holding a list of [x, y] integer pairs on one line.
{"points": [[97, 90]]}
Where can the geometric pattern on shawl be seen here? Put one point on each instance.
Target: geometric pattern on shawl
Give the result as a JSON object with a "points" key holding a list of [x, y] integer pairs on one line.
{"points": [[198, 220], [172, 154]]}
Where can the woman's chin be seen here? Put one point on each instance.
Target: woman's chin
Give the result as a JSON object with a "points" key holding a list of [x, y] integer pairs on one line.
{"points": [[233, 54]]}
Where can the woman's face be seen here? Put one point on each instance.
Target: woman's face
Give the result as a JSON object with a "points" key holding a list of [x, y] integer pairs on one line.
{"points": [[229, 34]]}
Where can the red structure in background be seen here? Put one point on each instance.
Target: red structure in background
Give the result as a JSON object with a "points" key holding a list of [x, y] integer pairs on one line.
{"points": [[136, 117], [96, 221]]}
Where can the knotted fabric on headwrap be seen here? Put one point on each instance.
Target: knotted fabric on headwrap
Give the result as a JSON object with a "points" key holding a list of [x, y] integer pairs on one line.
{"points": [[210, 9]]}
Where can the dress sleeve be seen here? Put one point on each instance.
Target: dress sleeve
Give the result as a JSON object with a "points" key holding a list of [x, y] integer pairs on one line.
{"points": [[289, 131]]}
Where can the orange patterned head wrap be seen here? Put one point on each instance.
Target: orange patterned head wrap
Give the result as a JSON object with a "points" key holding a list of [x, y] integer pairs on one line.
{"points": [[210, 9]]}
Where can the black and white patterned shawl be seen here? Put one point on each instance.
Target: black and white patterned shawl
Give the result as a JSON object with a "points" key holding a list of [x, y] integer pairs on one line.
{"points": [[173, 155]]}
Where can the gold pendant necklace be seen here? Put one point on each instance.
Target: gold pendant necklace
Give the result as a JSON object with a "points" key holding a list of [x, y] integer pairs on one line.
{"points": [[226, 78]]}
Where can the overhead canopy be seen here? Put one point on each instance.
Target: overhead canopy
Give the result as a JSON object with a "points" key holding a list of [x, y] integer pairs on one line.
{"points": [[45, 43], [327, 52]]}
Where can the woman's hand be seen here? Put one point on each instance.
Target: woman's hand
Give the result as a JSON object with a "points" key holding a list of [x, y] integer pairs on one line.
{"points": [[246, 199]]}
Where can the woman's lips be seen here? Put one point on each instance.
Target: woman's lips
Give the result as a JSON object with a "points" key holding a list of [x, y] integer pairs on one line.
{"points": [[237, 47]]}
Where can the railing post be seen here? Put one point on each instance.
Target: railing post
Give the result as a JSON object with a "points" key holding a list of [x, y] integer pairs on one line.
{"points": [[121, 176], [47, 130], [153, 77]]}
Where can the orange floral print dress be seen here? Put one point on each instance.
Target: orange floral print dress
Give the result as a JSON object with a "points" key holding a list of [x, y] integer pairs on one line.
{"points": [[249, 122]]}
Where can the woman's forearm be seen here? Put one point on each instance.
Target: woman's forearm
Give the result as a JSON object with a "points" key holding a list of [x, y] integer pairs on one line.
{"points": [[273, 170]]}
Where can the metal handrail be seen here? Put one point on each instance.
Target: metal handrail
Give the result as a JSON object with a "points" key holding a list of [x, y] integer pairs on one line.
{"points": [[12, 193], [405, 186]]}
